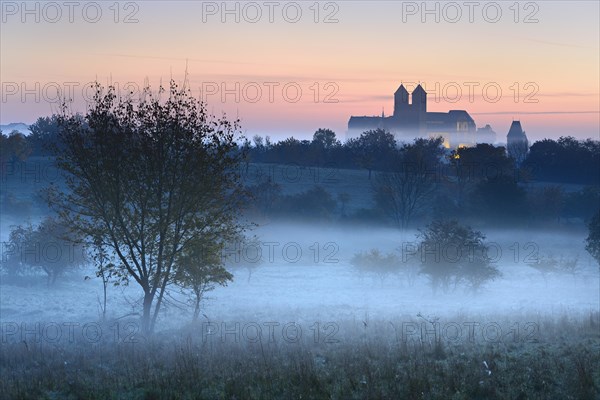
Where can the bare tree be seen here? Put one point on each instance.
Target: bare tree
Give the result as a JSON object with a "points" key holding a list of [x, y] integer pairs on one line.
{"points": [[404, 191], [243, 252], [343, 199], [104, 269], [545, 265]]}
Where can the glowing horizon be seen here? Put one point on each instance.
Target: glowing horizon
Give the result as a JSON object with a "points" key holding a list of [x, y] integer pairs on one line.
{"points": [[547, 70]]}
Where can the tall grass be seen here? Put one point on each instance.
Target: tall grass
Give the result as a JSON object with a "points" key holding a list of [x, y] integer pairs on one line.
{"points": [[368, 360]]}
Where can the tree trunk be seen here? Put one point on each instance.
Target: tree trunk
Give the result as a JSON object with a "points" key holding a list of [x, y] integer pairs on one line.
{"points": [[196, 310], [104, 283], [146, 327]]}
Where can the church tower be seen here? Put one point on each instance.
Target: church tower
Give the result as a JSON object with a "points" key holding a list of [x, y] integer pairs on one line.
{"points": [[517, 144], [516, 134], [419, 99], [400, 101], [419, 109]]}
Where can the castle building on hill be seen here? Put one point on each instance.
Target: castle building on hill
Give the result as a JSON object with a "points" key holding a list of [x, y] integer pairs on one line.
{"points": [[517, 144], [411, 119], [516, 135]]}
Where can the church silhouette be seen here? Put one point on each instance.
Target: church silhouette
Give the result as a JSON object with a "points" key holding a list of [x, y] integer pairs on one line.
{"points": [[411, 119]]}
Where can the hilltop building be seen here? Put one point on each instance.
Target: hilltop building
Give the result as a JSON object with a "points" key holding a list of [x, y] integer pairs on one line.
{"points": [[411, 119], [516, 135], [517, 144]]}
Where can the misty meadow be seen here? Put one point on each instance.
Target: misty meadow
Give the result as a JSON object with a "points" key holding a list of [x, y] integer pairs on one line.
{"points": [[167, 248], [326, 200]]}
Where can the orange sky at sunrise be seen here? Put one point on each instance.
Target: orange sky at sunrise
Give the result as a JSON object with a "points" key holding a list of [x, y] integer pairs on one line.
{"points": [[346, 58]]}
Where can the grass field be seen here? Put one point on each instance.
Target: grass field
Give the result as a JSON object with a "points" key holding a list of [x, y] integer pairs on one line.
{"points": [[365, 360]]}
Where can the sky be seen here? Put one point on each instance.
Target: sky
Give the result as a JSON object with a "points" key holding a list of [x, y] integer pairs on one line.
{"points": [[289, 68]]}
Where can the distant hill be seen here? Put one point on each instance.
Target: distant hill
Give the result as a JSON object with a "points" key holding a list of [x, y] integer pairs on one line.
{"points": [[15, 126]]}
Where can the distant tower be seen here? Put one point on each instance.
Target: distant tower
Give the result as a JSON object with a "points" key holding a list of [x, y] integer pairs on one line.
{"points": [[400, 101], [419, 109], [517, 144], [419, 99]]}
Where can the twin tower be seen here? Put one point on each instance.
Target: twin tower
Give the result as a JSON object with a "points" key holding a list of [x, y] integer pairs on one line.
{"points": [[411, 114], [411, 119], [402, 105]]}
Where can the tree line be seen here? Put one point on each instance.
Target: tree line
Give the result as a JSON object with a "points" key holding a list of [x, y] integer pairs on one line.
{"points": [[563, 160]]}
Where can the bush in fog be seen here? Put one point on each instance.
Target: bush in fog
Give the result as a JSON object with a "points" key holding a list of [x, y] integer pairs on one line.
{"points": [[453, 254], [150, 177], [547, 265], [592, 242], [343, 199], [244, 252], [376, 263], [12, 260], [49, 247], [569, 265]]}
